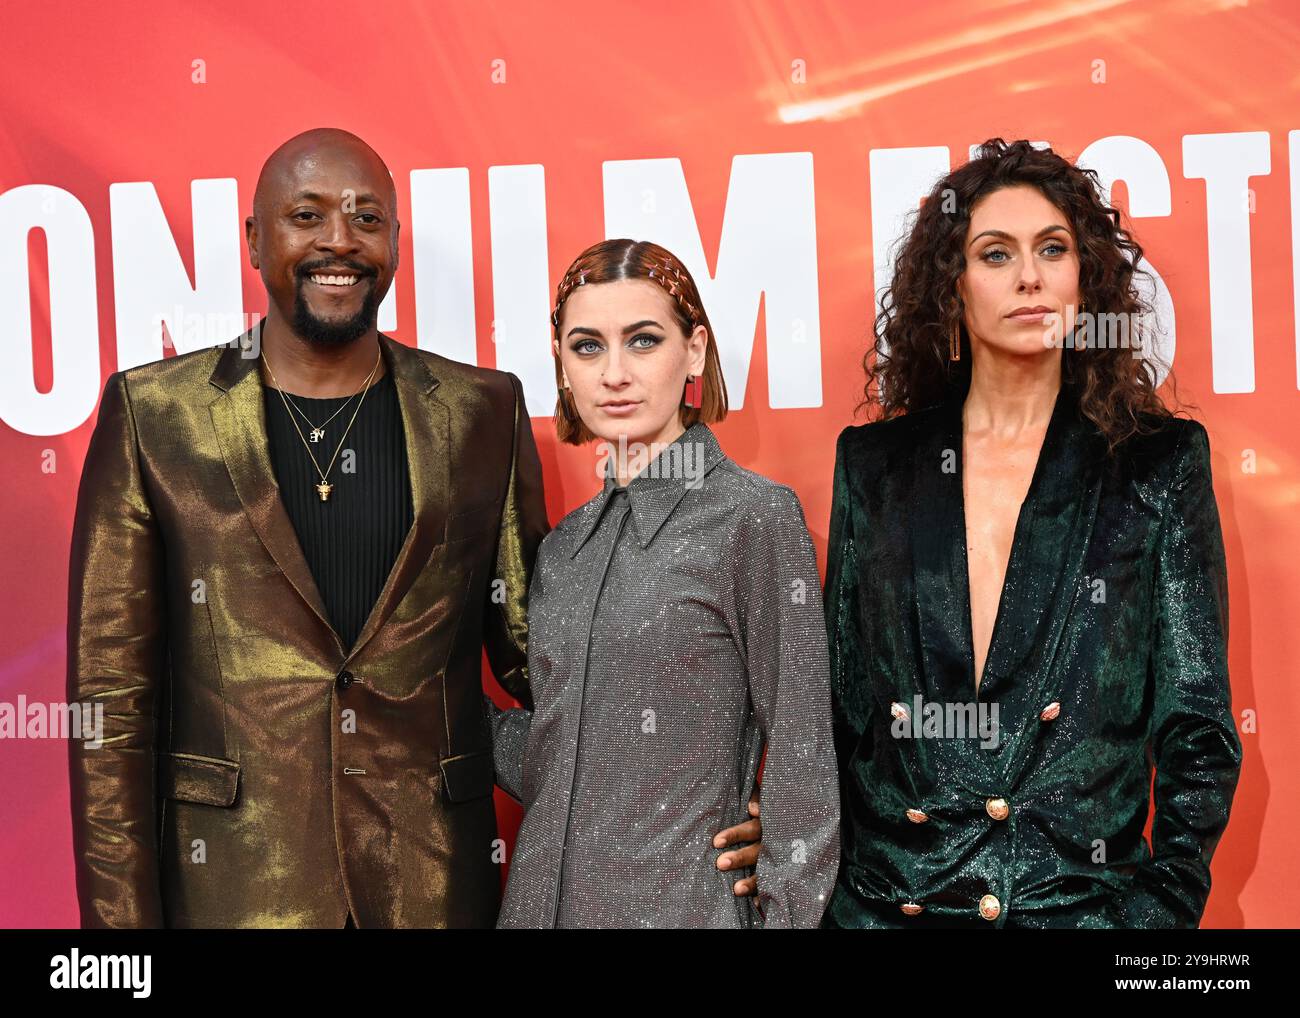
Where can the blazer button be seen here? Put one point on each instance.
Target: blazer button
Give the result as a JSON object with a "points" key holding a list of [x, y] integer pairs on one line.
{"points": [[898, 711], [911, 908], [990, 907], [1050, 712], [916, 816], [997, 808], [345, 679]]}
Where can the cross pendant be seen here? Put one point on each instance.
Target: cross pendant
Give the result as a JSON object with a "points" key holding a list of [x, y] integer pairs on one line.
{"points": [[323, 489]]}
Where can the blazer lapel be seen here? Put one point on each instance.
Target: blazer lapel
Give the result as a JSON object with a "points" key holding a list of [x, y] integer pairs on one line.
{"points": [[937, 530], [1044, 582], [427, 423], [239, 419], [1043, 573]]}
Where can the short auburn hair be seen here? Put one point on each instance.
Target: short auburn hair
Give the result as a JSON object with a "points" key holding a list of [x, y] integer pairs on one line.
{"points": [[612, 260]]}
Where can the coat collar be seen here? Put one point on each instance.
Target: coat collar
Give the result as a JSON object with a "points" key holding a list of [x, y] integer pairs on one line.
{"points": [[239, 419], [655, 492], [1044, 571]]}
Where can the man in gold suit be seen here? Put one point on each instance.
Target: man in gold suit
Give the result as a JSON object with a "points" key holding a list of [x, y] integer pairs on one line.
{"points": [[288, 556]]}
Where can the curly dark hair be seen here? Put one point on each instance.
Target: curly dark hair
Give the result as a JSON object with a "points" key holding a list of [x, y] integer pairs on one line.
{"points": [[909, 368]]}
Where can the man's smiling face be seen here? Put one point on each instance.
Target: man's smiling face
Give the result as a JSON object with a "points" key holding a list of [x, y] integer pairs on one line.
{"points": [[324, 235]]}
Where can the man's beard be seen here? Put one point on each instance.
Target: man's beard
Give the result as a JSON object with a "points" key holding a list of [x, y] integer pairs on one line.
{"points": [[322, 332]]}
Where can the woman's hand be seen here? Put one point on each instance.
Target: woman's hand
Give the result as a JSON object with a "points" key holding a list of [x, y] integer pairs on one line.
{"points": [[749, 831]]}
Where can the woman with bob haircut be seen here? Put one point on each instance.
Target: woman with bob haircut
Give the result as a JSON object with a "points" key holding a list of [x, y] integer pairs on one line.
{"points": [[675, 630], [1026, 590]]}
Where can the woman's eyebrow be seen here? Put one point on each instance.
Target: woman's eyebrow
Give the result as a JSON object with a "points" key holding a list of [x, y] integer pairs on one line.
{"points": [[1003, 235], [586, 331]]}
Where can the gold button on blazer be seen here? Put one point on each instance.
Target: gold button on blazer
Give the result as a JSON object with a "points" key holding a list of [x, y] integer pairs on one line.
{"points": [[253, 771]]}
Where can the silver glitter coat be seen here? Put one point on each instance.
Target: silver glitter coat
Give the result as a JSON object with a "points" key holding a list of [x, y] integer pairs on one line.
{"points": [[674, 627]]}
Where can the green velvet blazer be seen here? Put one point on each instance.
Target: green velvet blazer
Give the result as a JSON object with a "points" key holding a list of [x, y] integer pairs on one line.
{"points": [[1025, 804]]}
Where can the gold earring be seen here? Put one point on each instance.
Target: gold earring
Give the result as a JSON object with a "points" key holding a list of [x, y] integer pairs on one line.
{"points": [[954, 342]]}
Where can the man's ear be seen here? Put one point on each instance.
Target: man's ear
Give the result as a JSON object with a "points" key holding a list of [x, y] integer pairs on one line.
{"points": [[250, 238]]}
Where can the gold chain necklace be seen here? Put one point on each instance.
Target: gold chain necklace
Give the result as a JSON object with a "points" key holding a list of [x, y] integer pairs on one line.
{"points": [[324, 488], [317, 432]]}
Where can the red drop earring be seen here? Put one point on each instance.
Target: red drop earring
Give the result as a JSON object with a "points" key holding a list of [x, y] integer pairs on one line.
{"points": [[694, 396]]}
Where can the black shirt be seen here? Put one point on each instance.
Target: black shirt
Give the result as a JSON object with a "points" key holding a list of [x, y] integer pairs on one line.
{"points": [[351, 540]]}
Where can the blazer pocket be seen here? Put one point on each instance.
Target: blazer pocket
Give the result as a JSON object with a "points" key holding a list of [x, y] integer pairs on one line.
{"points": [[481, 520], [467, 776], [192, 778]]}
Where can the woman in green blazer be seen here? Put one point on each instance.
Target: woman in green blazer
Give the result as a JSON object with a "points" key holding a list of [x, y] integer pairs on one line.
{"points": [[1026, 593]]}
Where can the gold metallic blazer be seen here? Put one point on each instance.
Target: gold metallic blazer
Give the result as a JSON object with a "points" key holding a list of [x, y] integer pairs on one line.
{"points": [[253, 771]]}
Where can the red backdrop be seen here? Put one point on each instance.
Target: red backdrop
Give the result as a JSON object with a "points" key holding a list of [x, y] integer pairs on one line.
{"points": [[589, 95]]}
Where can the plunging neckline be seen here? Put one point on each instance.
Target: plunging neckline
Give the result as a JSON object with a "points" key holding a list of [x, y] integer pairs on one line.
{"points": [[1013, 556]]}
